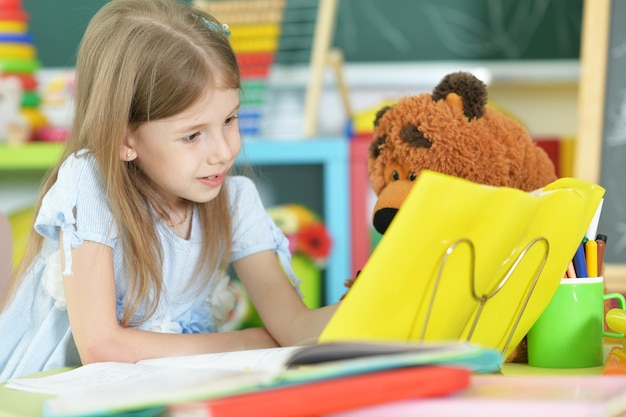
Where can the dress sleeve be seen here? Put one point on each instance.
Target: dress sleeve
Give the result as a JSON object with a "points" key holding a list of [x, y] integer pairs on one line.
{"points": [[76, 205], [253, 228]]}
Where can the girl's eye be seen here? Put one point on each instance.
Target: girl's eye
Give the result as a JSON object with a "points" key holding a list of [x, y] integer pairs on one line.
{"points": [[191, 137], [231, 120]]}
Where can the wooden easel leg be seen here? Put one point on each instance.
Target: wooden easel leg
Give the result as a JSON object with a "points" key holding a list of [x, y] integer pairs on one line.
{"points": [[335, 60], [321, 45]]}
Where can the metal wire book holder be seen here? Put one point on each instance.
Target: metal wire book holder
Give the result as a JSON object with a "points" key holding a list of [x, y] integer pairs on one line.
{"points": [[482, 299]]}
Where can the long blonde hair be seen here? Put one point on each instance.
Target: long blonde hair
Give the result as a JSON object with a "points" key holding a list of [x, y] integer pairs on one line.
{"points": [[143, 60]]}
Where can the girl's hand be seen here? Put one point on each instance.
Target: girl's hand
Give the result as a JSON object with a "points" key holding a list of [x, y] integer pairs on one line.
{"points": [[289, 321]]}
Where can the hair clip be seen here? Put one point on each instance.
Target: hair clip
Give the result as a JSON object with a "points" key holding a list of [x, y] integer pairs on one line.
{"points": [[215, 28]]}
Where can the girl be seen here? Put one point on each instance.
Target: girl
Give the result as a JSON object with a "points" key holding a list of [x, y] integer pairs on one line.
{"points": [[138, 223]]}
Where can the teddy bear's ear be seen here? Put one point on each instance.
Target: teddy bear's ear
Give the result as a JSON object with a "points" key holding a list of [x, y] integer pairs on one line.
{"points": [[380, 113], [374, 149], [470, 89]]}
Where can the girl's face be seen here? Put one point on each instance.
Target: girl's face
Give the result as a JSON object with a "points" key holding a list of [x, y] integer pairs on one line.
{"points": [[188, 155]]}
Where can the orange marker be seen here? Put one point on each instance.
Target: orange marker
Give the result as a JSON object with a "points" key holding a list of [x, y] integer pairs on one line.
{"points": [[601, 246], [591, 258]]}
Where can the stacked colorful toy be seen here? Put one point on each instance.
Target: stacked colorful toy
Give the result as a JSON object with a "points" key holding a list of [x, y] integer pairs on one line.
{"points": [[255, 27], [18, 60]]}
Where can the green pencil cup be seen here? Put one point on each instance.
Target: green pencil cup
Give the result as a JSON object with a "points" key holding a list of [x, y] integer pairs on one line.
{"points": [[570, 331]]}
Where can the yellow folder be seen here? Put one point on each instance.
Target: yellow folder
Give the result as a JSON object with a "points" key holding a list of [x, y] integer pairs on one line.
{"points": [[467, 261]]}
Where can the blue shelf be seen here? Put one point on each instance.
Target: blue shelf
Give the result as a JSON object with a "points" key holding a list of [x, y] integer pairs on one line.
{"points": [[333, 155]]}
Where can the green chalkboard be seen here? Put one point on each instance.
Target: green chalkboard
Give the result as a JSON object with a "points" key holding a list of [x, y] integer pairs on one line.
{"points": [[444, 30], [612, 169], [601, 143], [377, 30], [58, 26]]}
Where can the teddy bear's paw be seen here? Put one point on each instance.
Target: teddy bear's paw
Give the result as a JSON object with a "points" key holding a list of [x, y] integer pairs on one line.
{"points": [[348, 283], [519, 354]]}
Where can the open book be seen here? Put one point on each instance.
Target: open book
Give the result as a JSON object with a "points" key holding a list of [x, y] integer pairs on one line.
{"points": [[119, 387], [466, 261]]}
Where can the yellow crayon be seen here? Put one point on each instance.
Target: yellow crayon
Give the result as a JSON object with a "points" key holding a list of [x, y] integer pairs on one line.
{"points": [[591, 257]]}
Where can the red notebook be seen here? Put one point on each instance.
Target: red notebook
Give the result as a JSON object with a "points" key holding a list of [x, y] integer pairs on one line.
{"points": [[334, 395]]}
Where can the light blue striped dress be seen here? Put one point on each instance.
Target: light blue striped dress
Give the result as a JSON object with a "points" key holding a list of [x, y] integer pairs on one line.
{"points": [[34, 330]]}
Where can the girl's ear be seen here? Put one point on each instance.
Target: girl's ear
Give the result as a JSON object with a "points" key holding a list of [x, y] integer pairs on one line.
{"points": [[127, 153]]}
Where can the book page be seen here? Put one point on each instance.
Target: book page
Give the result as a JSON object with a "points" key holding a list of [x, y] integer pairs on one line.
{"points": [[94, 375], [269, 360], [339, 351], [155, 389], [104, 375]]}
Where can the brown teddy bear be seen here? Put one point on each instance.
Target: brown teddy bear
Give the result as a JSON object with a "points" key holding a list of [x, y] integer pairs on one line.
{"points": [[451, 131]]}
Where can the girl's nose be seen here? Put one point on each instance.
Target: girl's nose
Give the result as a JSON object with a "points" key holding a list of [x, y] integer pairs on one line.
{"points": [[219, 150]]}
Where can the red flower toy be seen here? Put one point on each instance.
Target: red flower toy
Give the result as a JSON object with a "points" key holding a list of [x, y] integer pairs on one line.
{"points": [[307, 234]]}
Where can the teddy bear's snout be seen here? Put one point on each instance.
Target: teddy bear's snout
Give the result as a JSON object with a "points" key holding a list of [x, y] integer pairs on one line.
{"points": [[388, 203], [383, 218]]}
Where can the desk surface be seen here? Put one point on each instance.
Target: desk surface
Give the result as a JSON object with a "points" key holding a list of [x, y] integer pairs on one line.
{"points": [[22, 404]]}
